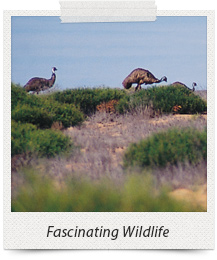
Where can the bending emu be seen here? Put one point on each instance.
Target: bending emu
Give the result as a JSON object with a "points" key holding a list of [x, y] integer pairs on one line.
{"points": [[177, 83], [40, 84], [141, 76]]}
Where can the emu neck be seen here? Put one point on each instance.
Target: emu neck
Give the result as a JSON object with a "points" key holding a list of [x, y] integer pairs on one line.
{"points": [[158, 81], [52, 79]]}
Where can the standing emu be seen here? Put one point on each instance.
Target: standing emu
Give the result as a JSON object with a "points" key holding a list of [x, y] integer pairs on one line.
{"points": [[41, 84], [177, 83], [141, 76]]}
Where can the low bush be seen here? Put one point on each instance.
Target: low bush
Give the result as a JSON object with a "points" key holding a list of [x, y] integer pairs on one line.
{"points": [[168, 148], [133, 103], [20, 137], [67, 114], [137, 194], [123, 105], [163, 99], [44, 143], [20, 96], [166, 97], [42, 111], [35, 115], [48, 143], [88, 99]]}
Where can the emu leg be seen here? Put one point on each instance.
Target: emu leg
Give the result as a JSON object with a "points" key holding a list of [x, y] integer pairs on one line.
{"points": [[136, 87]]}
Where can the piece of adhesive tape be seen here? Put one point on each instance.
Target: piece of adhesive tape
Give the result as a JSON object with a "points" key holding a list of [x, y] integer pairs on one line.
{"points": [[107, 11]]}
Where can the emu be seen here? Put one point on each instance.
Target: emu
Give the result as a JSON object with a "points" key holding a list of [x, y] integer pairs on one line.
{"points": [[177, 83], [141, 76], [41, 84]]}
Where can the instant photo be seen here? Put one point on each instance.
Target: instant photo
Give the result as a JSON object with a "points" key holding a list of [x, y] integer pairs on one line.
{"points": [[108, 145]]}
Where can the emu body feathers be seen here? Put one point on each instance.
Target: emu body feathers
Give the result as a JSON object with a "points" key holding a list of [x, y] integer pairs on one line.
{"points": [[141, 76], [40, 84]]}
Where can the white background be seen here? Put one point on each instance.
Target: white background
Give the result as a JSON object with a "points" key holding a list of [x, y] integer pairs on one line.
{"points": [[88, 254]]}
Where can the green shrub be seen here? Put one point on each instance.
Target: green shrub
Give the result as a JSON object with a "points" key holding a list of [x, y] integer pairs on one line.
{"points": [[20, 96], [133, 103], [163, 99], [35, 115], [68, 114], [88, 99], [48, 143], [20, 137], [123, 105], [170, 147], [41, 110], [166, 97], [137, 194], [44, 143]]}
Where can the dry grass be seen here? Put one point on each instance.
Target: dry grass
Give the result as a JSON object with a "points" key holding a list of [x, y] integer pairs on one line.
{"points": [[108, 107], [183, 175], [57, 126]]}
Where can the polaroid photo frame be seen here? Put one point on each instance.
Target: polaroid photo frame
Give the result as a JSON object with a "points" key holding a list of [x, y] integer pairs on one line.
{"points": [[108, 230]]}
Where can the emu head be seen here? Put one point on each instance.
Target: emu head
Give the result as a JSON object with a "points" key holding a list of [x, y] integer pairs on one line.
{"points": [[54, 69], [164, 79], [194, 85]]}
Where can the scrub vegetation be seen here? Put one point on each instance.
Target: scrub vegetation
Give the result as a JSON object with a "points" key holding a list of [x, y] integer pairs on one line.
{"points": [[109, 150]]}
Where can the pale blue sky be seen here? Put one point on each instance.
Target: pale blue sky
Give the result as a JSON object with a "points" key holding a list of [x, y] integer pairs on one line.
{"points": [[94, 54]]}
